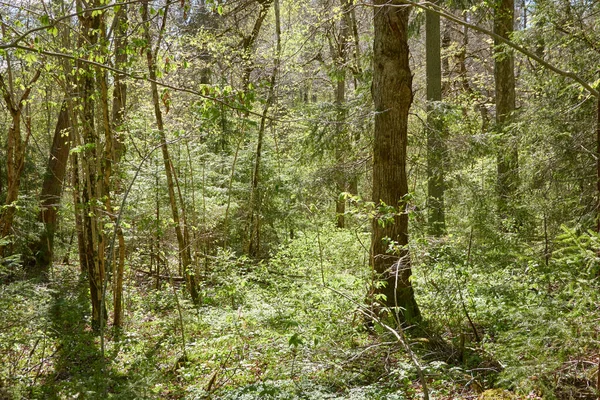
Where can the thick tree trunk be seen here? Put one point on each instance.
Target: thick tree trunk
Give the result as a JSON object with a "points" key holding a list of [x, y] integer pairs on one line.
{"points": [[435, 142], [184, 247], [52, 188], [392, 95], [504, 74]]}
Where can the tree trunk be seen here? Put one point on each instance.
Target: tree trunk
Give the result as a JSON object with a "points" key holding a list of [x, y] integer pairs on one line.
{"points": [[78, 206], [340, 128], [184, 248], [15, 150], [255, 196], [52, 189], [117, 151], [435, 142], [598, 178], [504, 75], [392, 95], [91, 179], [14, 166]]}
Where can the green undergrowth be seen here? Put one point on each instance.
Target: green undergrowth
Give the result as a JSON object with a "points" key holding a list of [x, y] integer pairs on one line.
{"points": [[276, 330]]}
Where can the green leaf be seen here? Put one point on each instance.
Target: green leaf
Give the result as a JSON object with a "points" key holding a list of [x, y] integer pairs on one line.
{"points": [[296, 340], [53, 31]]}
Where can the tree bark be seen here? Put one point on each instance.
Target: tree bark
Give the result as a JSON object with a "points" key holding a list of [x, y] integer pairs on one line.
{"points": [[255, 196], [89, 163], [392, 95], [15, 150], [117, 151], [184, 246], [340, 128], [435, 142], [504, 76], [52, 188]]}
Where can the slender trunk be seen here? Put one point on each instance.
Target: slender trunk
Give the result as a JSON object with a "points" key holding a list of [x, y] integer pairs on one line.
{"points": [[350, 12], [598, 170], [78, 205], [248, 44], [15, 149], [157, 230], [504, 75], [435, 141], [92, 190], [340, 100], [14, 165], [52, 189], [184, 248], [249, 41], [117, 149], [392, 95], [255, 196]]}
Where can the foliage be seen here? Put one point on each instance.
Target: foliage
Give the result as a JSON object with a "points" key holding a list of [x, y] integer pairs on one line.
{"points": [[510, 302]]}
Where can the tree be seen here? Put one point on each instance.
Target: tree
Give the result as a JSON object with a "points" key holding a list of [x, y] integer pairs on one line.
{"points": [[115, 150], [340, 60], [52, 188], [256, 195], [16, 146], [435, 142], [504, 78], [90, 96], [392, 95], [182, 237]]}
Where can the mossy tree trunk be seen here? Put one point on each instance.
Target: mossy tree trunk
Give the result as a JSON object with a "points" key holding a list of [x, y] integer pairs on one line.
{"points": [[435, 141], [342, 141]]}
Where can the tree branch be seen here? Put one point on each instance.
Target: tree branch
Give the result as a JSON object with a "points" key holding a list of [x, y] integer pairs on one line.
{"points": [[135, 77], [25, 94], [22, 36], [428, 6]]}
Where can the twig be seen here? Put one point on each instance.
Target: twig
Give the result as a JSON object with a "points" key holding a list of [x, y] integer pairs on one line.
{"points": [[398, 334]]}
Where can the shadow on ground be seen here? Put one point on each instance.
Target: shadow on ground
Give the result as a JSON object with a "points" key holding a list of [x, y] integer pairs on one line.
{"points": [[79, 370]]}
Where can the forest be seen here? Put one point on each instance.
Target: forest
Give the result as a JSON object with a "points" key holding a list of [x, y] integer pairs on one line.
{"points": [[299, 199]]}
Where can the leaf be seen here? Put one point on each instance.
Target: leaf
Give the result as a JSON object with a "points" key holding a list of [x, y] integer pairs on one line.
{"points": [[53, 31], [296, 340]]}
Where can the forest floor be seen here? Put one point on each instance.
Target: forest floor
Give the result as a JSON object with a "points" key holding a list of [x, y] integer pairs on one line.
{"points": [[255, 347], [276, 330]]}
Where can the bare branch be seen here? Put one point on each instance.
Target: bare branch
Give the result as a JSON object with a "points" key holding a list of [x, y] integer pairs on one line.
{"points": [[25, 94], [22, 36], [137, 77], [428, 6]]}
